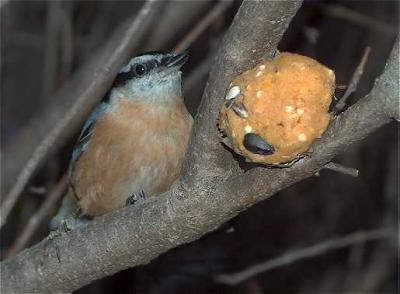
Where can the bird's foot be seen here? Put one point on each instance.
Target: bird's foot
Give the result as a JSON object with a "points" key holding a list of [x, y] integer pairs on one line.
{"points": [[66, 225], [69, 223], [135, 197]]}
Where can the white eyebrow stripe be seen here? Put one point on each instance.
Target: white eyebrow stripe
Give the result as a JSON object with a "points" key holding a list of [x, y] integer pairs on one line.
{"points": [[125, 69]]}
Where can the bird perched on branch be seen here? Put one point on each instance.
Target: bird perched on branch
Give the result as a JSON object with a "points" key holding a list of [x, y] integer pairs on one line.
{"points": [[133, 143]]}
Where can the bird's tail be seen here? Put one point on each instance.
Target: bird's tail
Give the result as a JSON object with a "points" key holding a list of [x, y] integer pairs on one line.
{"points": [[67, 208]]}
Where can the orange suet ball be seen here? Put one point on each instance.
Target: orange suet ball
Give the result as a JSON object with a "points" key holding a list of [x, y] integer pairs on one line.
{"points": [[273, 112]]}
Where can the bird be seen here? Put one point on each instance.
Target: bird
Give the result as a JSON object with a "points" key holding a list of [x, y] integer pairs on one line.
{"points": [[133, 143]]}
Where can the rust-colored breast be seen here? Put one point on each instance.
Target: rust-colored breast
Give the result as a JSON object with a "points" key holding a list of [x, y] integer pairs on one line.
{"points": [[134, 147]]}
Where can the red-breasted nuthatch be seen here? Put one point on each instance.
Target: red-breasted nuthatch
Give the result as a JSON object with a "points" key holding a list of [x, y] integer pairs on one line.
{"points": [[134, 141]]}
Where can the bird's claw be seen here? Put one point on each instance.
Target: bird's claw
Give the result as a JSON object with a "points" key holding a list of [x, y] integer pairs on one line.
{"points": [[66, 225], [135, 197]]}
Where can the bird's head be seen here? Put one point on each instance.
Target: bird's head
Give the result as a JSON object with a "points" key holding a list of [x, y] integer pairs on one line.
{"points": [[151, 75]]}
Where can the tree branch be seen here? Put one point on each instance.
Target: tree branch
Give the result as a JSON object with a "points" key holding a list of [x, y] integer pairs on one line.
{"points": [[37, 218], [342, 169], [208, 194], [307, 252], [202, 25], [352, 87]]}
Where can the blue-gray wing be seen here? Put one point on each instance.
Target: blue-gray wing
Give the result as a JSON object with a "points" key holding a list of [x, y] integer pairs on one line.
{"points": [[87, 130]]}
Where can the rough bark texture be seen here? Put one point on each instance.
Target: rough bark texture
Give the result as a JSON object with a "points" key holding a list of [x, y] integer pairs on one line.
{"points": [[213, 189]]}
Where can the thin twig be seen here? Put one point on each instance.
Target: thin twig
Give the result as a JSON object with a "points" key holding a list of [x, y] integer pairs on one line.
{"points": [[342, 169], [192, 82], [53, 28], [39, 190], [354, 81], [202, 25], [312, 251], [199, 73], [176, 17], [35, 220], [360, 19], [66, 41], [3, 3]]}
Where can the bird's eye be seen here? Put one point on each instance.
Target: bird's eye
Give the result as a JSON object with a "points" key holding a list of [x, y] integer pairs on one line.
{"points": [[140, 70]]}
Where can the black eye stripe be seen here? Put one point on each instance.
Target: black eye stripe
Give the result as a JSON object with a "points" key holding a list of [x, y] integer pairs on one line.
{"points": [[123, 77]]}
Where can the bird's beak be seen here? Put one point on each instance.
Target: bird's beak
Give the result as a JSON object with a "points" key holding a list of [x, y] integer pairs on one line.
{"points": [[175, 60]]}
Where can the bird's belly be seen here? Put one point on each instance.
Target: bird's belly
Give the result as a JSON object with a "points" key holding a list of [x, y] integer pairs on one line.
{"points": [[120, 163]]}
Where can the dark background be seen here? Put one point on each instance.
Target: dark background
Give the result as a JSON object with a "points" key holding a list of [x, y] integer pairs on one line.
{"points": [[39, 53]]}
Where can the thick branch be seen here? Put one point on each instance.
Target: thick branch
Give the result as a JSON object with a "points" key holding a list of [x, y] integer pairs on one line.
{"points": [[136, 235]]}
